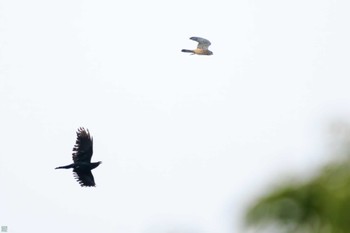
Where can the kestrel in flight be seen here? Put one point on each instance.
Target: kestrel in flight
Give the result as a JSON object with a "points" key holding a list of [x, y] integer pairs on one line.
{"points": [[202, 47]]}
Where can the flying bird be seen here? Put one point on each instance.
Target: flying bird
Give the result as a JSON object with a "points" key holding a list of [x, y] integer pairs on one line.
{"points": [[202, 47], [82, 153]]}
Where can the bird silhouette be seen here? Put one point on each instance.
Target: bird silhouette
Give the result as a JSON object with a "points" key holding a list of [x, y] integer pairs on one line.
{"points": [[82, 153], [202, 47]]}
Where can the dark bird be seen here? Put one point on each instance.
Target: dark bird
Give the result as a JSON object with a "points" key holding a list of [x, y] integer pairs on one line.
{"points": [[202, 47], [82, 153]]}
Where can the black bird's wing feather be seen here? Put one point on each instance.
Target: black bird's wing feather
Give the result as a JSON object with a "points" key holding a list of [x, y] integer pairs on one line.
{"points": [[84, 178], [82, 150]]}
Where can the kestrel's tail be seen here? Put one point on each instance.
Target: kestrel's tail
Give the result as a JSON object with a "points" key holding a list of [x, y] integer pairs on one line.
{"points": [[187, 51]]}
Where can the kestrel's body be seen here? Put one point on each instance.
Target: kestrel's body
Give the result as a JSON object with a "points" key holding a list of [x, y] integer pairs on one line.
{"points": [[202, 47]]}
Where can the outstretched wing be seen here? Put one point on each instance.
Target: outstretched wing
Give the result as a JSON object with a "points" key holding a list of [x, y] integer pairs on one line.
{"points": [[82, 150], [84, 178], [202, 43]]}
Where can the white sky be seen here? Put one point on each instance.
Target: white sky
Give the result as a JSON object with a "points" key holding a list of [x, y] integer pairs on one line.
{"points": [[186, 141]]}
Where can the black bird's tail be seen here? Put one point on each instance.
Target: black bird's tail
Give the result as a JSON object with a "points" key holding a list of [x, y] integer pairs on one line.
{"points": [[187, 51], [65, 167]]}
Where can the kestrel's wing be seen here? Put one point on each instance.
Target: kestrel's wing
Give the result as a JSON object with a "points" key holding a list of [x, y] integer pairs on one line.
{"points": [[84, 178], [202, 43], [82, 150]]}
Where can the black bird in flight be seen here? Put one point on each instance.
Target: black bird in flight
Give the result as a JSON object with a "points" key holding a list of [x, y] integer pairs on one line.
{"points": [[82, 153]]}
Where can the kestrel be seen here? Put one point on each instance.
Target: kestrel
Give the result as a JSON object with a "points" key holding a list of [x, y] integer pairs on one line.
{"points": [[82, 153], [202, 47]]}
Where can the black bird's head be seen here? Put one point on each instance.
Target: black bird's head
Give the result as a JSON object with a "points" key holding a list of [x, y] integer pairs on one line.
{"points": [[95, 165]]}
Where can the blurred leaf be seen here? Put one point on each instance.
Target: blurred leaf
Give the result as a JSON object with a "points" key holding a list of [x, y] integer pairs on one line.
{"points": [[321, 204]]}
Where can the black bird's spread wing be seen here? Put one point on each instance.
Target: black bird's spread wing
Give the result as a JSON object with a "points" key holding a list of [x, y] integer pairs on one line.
{"points": [[84, 178], [82, 150]]}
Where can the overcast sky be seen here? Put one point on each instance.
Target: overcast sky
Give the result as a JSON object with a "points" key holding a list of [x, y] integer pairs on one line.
{"points": [[186, 141]]}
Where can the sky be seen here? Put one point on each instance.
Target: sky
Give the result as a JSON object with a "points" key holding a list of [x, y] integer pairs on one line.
{"points": [[187, 142]]}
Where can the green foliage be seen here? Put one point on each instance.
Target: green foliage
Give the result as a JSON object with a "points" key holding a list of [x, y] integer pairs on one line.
{"points": [[320, 205]]}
